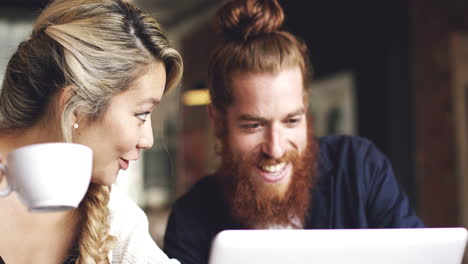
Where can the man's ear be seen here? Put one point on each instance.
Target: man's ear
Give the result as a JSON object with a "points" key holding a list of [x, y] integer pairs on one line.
{"points": [[215, 120]]}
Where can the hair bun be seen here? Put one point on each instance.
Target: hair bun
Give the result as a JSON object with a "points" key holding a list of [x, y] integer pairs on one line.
{"points": [[243, 19]]}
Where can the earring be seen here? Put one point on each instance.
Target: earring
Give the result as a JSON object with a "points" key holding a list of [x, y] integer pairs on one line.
{"points": [[75, 126]]}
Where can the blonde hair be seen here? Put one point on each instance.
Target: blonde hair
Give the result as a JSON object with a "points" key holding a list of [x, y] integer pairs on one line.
{"points": [[253, 43], [95, 49]]}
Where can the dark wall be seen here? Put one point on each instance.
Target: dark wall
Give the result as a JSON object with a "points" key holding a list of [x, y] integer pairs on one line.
{"points": [[371, 39], [28, 4]]}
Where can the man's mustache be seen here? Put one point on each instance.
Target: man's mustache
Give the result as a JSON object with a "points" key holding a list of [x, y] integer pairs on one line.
{"points": [[264, 160]]}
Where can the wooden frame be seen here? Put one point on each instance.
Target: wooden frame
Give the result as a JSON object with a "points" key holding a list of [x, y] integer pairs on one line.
{"points": [[459, 61], [332, 104]]}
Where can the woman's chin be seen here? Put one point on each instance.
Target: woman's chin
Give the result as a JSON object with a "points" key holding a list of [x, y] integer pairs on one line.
{"points": [[102, 178]]}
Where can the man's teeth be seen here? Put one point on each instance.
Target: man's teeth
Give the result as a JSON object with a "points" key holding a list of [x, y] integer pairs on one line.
{"points": [[273, 168]]}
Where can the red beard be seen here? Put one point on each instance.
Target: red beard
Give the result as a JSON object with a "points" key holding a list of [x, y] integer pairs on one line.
{"points": [[256, 205]]}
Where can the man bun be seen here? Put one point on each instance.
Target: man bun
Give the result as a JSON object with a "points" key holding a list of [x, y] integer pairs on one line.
{"points": [[244, 19]]}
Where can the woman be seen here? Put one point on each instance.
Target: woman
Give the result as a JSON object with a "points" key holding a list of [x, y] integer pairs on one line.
{"points": [[91, 73]]}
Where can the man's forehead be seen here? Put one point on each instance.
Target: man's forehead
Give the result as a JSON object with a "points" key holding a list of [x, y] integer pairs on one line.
{"points": [[253, 113], [242, 76]]}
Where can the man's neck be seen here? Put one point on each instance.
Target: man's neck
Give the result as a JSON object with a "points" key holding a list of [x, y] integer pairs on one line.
{"points": [[295, 223]]}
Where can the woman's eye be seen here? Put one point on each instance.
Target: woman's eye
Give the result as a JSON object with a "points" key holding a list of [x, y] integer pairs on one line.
{"points": [[143, 116]]}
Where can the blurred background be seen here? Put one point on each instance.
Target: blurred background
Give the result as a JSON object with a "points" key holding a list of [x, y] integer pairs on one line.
{"points": [[393, 71]]}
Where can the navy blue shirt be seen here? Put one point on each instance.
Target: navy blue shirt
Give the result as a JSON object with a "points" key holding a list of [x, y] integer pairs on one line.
{"points": [[355, 188]]}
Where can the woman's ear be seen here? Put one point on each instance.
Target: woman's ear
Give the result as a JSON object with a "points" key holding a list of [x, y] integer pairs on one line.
{"points": [[64, 97]]}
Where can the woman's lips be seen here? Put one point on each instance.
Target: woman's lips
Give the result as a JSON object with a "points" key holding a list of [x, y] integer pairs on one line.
{"points": [[123, 163]]}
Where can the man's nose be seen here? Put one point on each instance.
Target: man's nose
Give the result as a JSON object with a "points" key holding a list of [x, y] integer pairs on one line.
{"points": [[274, 145], [146, 139]]}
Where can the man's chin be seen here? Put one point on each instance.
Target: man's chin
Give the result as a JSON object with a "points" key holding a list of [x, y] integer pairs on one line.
{"points": [[256, 201], [274, 189]]}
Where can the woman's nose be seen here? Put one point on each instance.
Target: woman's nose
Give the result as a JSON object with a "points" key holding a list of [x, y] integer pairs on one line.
{"points": [[146, 139]]}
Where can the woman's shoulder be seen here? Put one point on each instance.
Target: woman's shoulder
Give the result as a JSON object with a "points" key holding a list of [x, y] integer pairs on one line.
{"points": [[129, 225], [124, 212]]}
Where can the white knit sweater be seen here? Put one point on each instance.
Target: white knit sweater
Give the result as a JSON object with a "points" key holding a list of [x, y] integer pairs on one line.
{"points": [[129, 224]]}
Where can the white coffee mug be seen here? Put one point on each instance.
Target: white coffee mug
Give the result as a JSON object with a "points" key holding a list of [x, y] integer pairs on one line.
{"points": [[48, 176]]}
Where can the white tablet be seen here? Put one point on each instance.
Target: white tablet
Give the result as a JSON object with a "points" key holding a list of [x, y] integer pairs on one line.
{"points": [[340, 246]]}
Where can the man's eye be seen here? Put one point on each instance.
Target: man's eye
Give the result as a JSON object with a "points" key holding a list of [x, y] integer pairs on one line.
{"points": [[293, 120], [250, 126], [143, 116]]}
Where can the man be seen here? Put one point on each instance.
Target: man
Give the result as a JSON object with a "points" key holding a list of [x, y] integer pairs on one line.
{"points": [[274, 173]]}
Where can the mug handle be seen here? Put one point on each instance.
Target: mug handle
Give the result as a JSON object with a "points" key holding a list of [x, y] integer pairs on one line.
{"points": [[7, 190]]}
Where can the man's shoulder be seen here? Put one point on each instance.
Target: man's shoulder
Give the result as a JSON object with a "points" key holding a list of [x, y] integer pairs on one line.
{"points": [[334, 146], [345, 158], [342, 141], [201, 210], [346, 152], [204, 192]]}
